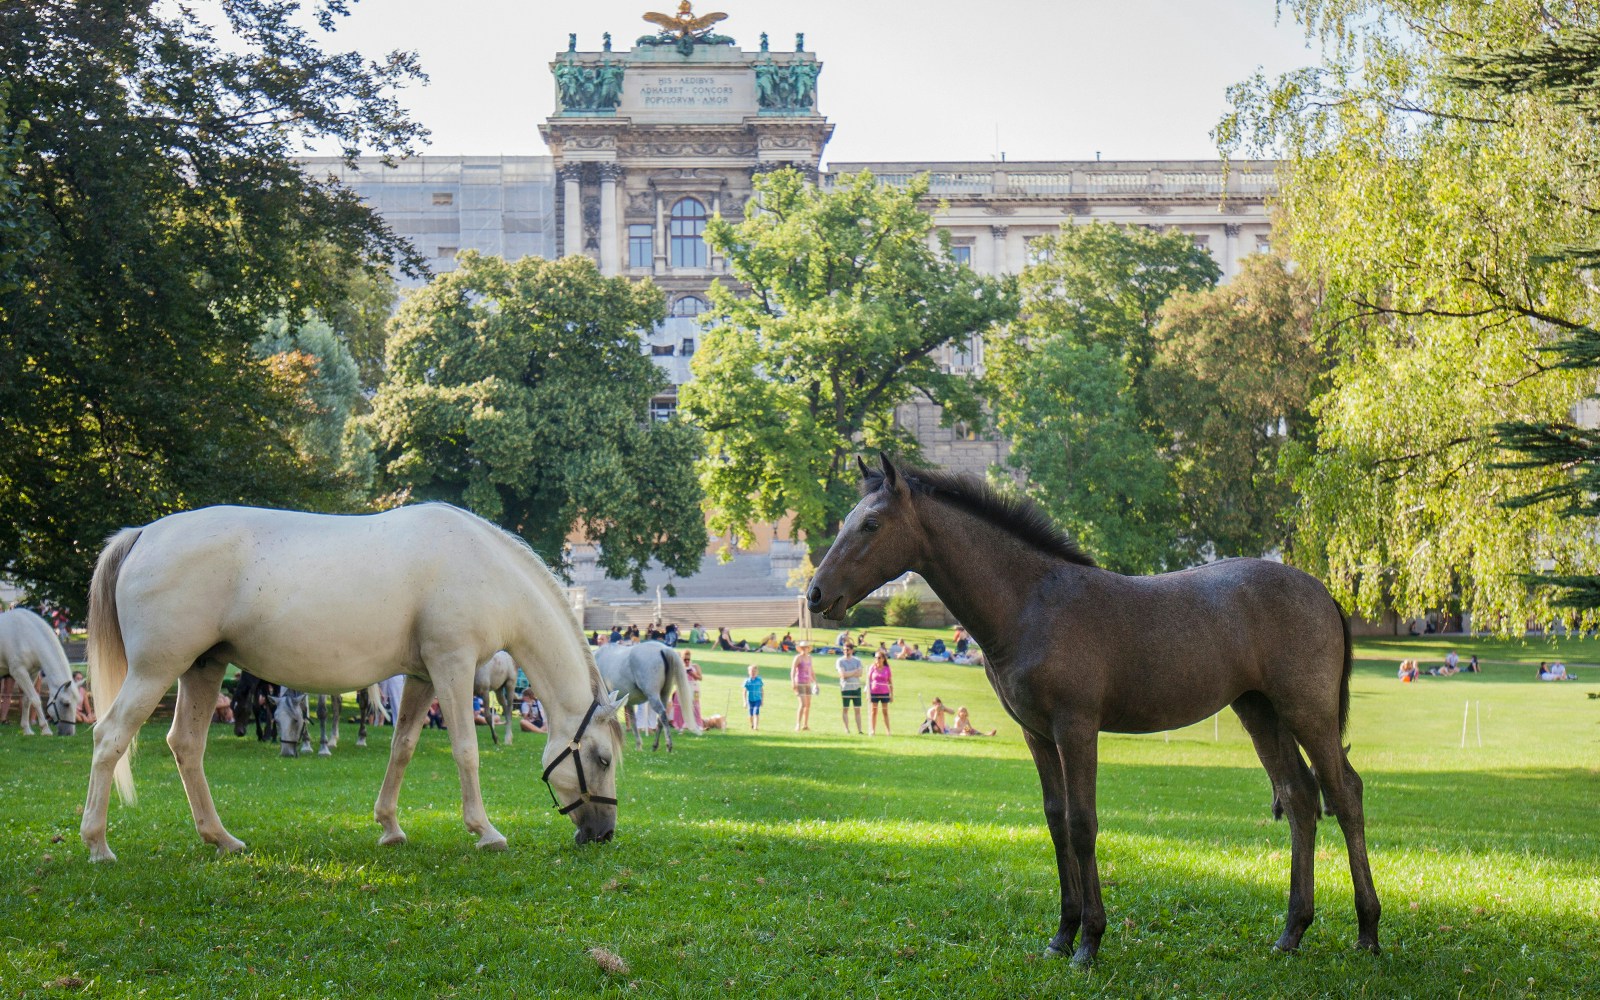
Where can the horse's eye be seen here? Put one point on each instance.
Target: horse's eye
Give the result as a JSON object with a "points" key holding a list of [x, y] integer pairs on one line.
{"points": [[869, 525], [605, 761]]}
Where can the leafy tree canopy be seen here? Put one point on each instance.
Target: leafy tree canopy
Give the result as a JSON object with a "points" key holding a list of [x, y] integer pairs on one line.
{"points": [[518, 390], [151, 167], [1234, 373], [1435, 213], [844, 301], [1069, 385]]}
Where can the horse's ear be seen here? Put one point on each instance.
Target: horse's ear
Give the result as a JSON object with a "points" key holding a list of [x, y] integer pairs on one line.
{"points": [[891, 475], [613, 703], [861, 463]]}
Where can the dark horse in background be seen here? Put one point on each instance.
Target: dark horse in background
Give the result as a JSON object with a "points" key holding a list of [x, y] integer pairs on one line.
{"points": [[1073, 650], [251, 702]]}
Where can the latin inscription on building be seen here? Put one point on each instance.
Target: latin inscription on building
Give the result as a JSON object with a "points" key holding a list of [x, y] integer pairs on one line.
{"points": [[648, 93]]}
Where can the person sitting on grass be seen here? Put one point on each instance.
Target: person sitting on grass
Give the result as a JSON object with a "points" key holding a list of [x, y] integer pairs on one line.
{"points": [[963, 726], [532, 720], [1556, 671], [937, 653], [1408, 671], [935, 723], [786, 644], [727, 645], [435, 716], [86, 701], [769, 644]]}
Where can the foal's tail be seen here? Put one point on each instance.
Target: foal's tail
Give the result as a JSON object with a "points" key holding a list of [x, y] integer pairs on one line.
{"points": [[1344, 678], [108, 657], [680, 681]]}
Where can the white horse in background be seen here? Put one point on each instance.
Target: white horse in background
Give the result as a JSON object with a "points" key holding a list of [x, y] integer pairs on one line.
{"points": [[330, 603], [29, 647], [498, 674], [646, 674], [291, 712]]}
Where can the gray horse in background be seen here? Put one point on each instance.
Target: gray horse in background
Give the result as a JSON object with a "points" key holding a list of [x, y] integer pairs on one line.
{"points": [[291, 710], [647, 673], [497, 674]]}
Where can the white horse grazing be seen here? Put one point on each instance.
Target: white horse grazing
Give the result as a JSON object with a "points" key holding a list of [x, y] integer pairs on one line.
{"points": [[498, 674], [646, 674], [328, 603], [28, 647]]}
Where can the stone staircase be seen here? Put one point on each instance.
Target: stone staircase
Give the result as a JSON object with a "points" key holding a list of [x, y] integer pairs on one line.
{"points": [[712, 613]]}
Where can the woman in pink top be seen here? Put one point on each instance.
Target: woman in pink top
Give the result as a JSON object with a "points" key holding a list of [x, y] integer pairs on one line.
{"points": [[802, 676], [880, 686]]}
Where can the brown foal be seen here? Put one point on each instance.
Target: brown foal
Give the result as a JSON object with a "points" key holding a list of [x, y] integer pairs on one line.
{"points": [[1074, 650]]}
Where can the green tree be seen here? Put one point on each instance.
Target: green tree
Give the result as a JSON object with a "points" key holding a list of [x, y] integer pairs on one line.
{"points": [[157, 168], [1435, 214], [1561, 67], [1069, 385], [844, 305], [312, 357], [1234, 372], [518, 390]]}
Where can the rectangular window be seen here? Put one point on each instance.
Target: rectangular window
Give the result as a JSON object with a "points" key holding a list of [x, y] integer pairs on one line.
{"points": [[661, 350], [963, 353], [688, 347], [961, 255], [1263, 244], [663, 409], [448, 253], [443, 198], [641, 245]]}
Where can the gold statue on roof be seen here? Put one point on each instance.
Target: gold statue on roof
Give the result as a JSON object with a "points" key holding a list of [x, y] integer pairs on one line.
{"points": [[685, 24]]}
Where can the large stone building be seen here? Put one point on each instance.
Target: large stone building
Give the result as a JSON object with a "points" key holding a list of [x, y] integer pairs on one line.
{"points": [[647, 144]]}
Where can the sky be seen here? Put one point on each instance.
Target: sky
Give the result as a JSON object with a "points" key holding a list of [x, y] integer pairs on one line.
{"points": [[901, 80]]}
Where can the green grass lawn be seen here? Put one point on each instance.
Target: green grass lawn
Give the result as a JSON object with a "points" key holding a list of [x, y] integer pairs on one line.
{"points": [[791, 864]]}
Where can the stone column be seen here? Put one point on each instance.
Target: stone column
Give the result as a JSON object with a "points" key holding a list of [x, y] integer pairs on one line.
{"points": [[571, 209], [1230, 253], [661, 235], [610, 260], [997, 248]]}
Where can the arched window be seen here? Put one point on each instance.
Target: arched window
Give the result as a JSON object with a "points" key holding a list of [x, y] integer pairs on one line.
{"points": [[687, 223], [689, 305]]}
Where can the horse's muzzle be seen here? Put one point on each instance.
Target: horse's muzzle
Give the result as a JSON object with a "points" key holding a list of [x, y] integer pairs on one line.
{"points": [[66, 729], [289, 749], [587, 836]]}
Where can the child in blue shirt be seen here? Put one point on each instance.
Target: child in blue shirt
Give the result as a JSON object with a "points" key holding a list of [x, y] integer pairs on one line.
{"points": [[752, 696]]}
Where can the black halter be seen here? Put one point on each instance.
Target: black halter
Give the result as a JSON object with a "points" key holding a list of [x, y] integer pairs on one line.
{"points": [[571, 750], [51, 714]]}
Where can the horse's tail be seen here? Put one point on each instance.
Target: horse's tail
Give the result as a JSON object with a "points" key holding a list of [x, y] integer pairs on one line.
{"points": [[108, 656], [1344, 678], [680, 682], [375, 709]]}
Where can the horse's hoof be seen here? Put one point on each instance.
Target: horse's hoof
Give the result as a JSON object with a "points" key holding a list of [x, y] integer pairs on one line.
{"points": [[492, 843], [361, 743], [231, 845], [1083, 957], [392, 839], [101, 855], [325, 752], [1051, 951], [1369, 945]]}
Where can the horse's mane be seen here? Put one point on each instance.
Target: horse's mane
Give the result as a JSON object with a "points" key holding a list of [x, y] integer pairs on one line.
{"points": [[1013, 513]]}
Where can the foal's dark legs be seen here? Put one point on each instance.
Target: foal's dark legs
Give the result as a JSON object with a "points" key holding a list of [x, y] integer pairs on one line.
{"points": [[1342, 786], [1051, 779], [1296, 791], [1067, 776]]}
